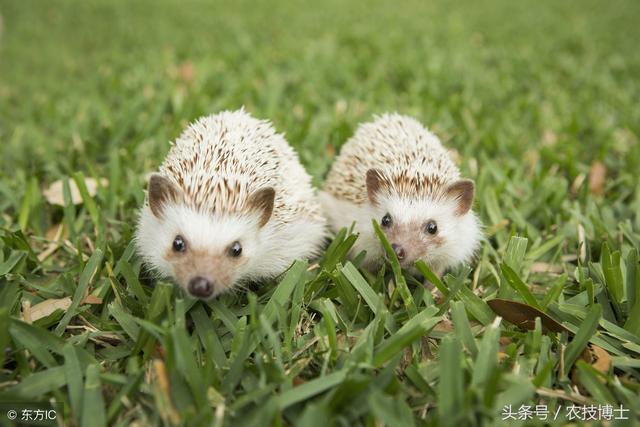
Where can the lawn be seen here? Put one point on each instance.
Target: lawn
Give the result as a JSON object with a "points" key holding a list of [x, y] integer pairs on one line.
{"points": [[540, 100]]}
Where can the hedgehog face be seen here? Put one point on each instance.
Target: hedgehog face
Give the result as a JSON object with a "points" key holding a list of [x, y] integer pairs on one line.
{"points": [[205, 253], [441, 230]]}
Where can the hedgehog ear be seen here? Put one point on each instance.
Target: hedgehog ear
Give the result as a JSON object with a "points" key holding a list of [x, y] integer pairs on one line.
{"points": [[262, 202], [376, 181], [161, 191], [462, 193]]}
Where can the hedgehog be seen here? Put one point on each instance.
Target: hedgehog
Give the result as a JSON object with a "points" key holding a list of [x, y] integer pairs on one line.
{"points": [[395, 171], [230, 205]]}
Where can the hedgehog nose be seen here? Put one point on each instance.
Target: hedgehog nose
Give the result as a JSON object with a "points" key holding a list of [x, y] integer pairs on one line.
{"points": [[200, 287], [399, 250]]}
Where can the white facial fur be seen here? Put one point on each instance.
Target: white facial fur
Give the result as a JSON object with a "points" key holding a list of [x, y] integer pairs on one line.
{"points": [[455, 241], [266, 251], [458, 235]]}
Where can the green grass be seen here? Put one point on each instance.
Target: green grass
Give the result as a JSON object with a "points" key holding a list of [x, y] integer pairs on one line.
{"points": [[534, 96]]}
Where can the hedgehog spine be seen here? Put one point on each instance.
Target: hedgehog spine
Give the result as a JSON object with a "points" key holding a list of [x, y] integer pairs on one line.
{"points": [[393, 167]]}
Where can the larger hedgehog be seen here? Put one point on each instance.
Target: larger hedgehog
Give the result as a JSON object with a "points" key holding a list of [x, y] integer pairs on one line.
{"points": [[231, 203], [395, 171]]}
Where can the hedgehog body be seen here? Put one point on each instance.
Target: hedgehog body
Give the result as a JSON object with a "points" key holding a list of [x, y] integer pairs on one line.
{"points": [[231, 203], [395, 171]]}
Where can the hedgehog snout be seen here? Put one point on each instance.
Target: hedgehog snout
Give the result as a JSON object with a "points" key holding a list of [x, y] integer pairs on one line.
{"points": [[200, 287], [399, 250]]}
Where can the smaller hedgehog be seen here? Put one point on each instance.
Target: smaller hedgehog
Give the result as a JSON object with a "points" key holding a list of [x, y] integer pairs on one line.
{"points": [[230, 204], [397, 172]]}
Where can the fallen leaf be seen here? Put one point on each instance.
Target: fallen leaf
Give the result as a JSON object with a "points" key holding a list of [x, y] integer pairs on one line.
{"points": [[445, 325], [167, 411], [523, 315], [187, 72], [45, 308], [599, 358], [597, 175], [55, 193], [330, 150], [505, 341], [26, 312], [596, 357], [92, 299], [56, 235]]}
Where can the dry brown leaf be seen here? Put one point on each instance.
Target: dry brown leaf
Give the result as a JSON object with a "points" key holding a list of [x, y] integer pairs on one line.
{"points": [[523, 315], [445, 325], [92, 299], [601, 360], [597, 175], [167, 410], [56, 235], [26, 312], [55, 193], [45, 308], [505, 341], [596, 357], [298, 381], [187, 72], [330, 150]]}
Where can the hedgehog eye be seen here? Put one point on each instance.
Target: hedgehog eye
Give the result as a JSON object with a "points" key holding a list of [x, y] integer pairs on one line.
{"points": [[386, 220], [431, 227], [235, 249], [179, 245]]}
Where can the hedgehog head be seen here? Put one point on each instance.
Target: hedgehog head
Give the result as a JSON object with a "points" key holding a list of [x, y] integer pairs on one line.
{"points": [[205, 252], [435, 224]]}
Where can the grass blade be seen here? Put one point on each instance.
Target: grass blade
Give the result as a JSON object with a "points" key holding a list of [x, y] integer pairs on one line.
{"points": [[416, 327], [310, 389], [93, 410], [462, 327], [582, 337], [450, 385], [519, 285], [90, 269]]}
